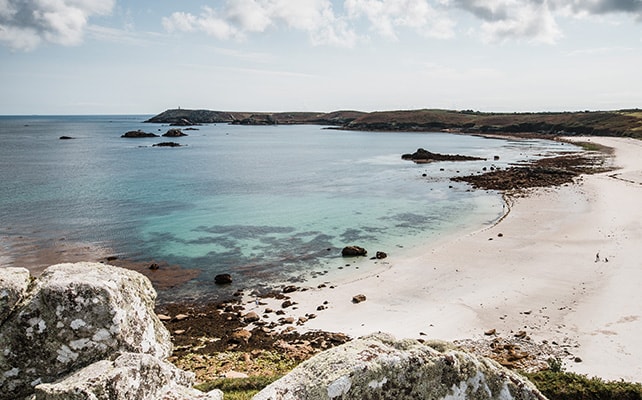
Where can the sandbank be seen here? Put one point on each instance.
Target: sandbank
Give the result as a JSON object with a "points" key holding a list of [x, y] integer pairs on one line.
{"points": [[564, 265]]}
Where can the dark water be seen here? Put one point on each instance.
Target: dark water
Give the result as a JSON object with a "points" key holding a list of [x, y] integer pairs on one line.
{"points": [[265, 203]]}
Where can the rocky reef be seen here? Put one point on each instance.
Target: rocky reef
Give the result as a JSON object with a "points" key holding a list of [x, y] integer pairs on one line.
{"points": [[422, 156], [85, 331]]}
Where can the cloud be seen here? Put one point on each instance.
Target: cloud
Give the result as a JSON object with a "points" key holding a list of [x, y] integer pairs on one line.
{"points": [[24, 24], [600, 7], [387, 16], [238, 18], [341, 22]]}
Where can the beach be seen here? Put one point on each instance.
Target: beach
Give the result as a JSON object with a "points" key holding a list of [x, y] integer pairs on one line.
{"points": [[563, 266]]}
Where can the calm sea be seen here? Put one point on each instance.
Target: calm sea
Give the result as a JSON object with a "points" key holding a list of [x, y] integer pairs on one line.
{"points": [[266, 204]]}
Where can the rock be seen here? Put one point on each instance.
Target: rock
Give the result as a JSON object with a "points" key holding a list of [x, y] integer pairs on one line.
{"points": [[242, 335], [14, 283], [353, 251], [251, 317], [290, 289], [72, 316], [174, 133], [223, 279], [490, 332], [235, 375], [180, 317], [167, 144], [138, 134], [287, 303], [422, 156], [359, 298], [380, 255], [130, 376], [380, 367]]}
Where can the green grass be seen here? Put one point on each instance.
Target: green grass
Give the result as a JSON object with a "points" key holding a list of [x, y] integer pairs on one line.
{"points": [[560, 385], [239, 389]]}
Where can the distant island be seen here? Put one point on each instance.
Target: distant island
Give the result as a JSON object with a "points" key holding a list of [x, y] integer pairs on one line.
{"points": [[598, 123]]}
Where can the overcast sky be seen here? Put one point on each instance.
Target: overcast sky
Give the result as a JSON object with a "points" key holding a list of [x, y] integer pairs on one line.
{"points": [[126, 57]]}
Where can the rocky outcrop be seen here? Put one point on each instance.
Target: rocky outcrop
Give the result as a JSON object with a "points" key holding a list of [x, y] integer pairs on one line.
{"points": [[73, 316], [174, 133], [138, 134], [381, 367], [424, 156]]}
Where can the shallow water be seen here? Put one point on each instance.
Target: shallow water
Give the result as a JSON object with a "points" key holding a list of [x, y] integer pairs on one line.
{"points": [[263, 203]]}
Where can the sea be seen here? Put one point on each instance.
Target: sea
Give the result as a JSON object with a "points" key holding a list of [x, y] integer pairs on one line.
{"points": [[266, 204]]}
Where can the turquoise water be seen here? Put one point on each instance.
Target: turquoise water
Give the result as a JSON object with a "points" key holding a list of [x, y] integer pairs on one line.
{"points": [[264, 203]]}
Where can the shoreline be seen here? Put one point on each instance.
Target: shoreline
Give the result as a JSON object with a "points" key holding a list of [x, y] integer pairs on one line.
{"points": [[563, 267]]}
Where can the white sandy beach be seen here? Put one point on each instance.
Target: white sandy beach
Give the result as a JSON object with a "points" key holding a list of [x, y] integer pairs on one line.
{"points": [[567, 267]]}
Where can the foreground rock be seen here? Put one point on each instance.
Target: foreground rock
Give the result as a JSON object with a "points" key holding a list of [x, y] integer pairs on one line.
{"points": [[14, 283], [380, 367], [73, 316], [128, 377]]}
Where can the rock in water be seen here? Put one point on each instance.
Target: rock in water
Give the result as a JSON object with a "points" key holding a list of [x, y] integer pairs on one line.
{"points": [[380, 367], [75, 315], [353, 251], [130, 376], [223, 279]]}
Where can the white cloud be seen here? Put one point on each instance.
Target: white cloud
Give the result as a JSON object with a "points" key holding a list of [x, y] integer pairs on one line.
{"points": [[24, 24], [386, 16], [338, 22], [238, 18]]}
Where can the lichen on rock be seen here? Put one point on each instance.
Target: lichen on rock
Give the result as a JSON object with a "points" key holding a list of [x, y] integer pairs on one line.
{"points": [[380, 367], [75, 315]]}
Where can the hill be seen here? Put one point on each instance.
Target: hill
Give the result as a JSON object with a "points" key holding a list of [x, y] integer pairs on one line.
{"points": [[604, 123]]}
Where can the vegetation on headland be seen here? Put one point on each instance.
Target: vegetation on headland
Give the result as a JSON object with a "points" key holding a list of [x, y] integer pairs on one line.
{"points": [[604, 123]]}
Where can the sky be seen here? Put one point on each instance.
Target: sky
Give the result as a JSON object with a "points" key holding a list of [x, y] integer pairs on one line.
{"points": [[142, 57]]}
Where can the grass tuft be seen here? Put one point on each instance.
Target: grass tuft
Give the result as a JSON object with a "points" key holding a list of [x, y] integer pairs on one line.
{"points": [[238, 389]]}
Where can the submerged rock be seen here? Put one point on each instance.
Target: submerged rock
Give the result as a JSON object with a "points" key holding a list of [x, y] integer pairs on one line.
{"points": [[380, 367]]}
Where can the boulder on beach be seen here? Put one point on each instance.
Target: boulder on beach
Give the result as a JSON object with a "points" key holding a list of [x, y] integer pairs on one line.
{"points": [[353, 251], [380, 367], [71, 317]]}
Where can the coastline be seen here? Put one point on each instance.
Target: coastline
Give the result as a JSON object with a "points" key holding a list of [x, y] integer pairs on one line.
{"points": [[535, 270], [563, 267]]}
